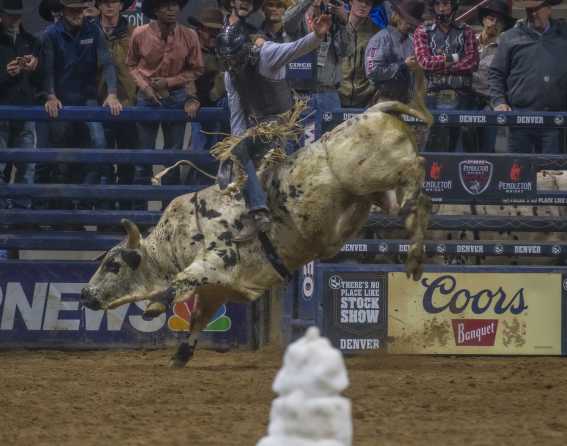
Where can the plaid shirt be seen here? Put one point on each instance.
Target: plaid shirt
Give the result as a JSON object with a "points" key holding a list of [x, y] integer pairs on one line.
{"points": [[468, 62]]}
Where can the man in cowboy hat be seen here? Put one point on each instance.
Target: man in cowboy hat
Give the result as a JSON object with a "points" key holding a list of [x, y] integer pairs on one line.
{"points": [[210, 86], [241, 11], [117, 32], [165, 60], [448, 53], [73, 49], [495, 17], [273, 10], [529, 72], [390, 59], [50, 10], [18, 63], [355, 89]]}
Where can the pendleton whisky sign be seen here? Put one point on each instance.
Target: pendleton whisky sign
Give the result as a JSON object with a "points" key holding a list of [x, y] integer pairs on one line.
{"points": [[475, 313]]}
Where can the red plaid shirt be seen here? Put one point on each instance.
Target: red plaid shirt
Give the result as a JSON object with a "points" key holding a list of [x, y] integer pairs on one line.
{"points": [[436, 63]]}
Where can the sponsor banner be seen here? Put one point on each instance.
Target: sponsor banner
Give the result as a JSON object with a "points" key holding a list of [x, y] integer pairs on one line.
{"points": [[378, 247], [355, 313], [39, 306], [134, 14], [511, 119], [482, 178], [475, 313], [301, 69]]}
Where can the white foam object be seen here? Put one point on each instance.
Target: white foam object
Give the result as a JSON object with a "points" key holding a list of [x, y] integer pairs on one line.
{"points": [[310, 410]]}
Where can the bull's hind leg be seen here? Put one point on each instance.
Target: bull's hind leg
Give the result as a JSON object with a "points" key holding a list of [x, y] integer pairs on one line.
{"points": [[416, 205]]}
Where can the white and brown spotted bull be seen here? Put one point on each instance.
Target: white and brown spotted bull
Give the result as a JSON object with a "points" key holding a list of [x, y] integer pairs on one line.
{"points": [[319, 198]]}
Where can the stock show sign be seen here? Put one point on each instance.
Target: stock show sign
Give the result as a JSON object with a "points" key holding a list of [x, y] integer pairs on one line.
{"points": [[475, 313]]}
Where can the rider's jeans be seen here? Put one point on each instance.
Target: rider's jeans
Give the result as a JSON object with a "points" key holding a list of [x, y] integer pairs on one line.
{"points": [[254, 193]]}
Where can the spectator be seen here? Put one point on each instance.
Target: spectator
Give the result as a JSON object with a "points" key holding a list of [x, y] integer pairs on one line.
{"points": [[390, 59], [18, 64], [494, 17], [327, 60], [356, 90], [529, 72], [210, 86], [122, 135], [73, 48], [272, 27], [241, 11], [448, 53], [50, 10], [165, 59]]}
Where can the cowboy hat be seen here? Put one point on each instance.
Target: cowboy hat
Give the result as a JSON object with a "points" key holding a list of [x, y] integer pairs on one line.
{"points": [[256, 4], [410, 10], [76, 3], [500, 9], [11, 7], [47, 8], [208, 17], [535, 4], [125, 4], [149, 6]]}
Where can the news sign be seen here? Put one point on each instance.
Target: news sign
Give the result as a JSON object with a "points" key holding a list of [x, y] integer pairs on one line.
{"points": [[355, 317], [39, 307], [475, 313]]}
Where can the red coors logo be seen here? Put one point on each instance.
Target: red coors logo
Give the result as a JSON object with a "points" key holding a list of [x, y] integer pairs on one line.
{"points": [[475, 332]]}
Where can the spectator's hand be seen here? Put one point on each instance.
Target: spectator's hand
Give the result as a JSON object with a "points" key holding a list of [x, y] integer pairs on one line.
{"points": [[114, 104], [192, 107], [151, 94], [503, 108], [29, 63], [411, 63], [52, 106], [14, 68], [322, 25], [158, 83]]}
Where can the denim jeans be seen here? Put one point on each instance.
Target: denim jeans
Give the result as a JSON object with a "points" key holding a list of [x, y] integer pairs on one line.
{"points": [[528, 140], [449, 139], [173, 134], [325, 101], [247, 151], [202, 142], [17, 134]]}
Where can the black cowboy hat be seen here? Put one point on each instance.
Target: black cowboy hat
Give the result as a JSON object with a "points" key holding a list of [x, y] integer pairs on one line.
{"points": [[535, 4], [12, 7], [500, 9], [256, 4], [149, 6], [410, 10], [125, 4], [76, 3], [48, 7]]}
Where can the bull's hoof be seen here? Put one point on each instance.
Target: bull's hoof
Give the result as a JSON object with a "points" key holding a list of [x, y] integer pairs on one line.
{"points": [[182, 355], [154, 309]]}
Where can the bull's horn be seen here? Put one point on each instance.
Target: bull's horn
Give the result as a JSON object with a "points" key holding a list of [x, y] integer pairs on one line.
{"points": [[134, 235]]}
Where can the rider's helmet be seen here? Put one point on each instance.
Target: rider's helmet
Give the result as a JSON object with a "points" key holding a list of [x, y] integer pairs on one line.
{"points": [[445, 18], [233, 47]]}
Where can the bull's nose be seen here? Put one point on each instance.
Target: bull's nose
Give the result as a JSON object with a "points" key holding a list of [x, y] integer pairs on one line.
{"points": [[88, 300]]}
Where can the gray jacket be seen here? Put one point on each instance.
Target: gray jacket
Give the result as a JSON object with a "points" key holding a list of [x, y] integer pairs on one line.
{"points": [[529, 69], [342, 45]]}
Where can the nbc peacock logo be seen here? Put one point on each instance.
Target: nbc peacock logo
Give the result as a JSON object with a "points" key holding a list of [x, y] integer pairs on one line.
{"points": [[180, 320]]}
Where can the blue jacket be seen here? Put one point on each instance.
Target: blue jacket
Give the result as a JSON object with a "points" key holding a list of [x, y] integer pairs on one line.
{"points": [[72, 62]]}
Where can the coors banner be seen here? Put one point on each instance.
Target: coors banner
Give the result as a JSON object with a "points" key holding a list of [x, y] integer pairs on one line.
{"points": [[475, 313]]}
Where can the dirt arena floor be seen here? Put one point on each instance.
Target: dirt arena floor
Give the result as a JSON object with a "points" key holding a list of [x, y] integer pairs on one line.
{"points": [[221, 399]]}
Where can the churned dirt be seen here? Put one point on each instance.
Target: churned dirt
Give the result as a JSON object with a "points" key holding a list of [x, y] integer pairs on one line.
{"points": [[221, 399]]}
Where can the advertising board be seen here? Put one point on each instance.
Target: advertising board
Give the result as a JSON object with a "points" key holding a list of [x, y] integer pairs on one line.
{"points": [[39, 307], [475, 313]]}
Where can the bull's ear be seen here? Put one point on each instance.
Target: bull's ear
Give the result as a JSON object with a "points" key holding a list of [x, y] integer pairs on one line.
{"points": [[134, 235], [131, 257]]}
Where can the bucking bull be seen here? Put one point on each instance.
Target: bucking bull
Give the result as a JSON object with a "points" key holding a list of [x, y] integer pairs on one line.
{"points": [[319, 197]]}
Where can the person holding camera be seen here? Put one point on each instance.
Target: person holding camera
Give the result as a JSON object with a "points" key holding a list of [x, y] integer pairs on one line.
{"points": [[323, 85], [18, 64]]}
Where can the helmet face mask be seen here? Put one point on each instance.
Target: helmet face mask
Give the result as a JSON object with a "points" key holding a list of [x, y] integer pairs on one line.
{"points": [[233, 48]]}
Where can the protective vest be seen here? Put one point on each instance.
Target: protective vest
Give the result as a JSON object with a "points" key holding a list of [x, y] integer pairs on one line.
{"points": [[260, 97]]}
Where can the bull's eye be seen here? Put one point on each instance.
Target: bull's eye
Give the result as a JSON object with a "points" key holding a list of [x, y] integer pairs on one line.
{"points": [[112, 267]]}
